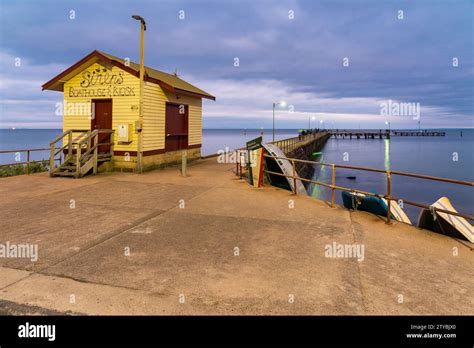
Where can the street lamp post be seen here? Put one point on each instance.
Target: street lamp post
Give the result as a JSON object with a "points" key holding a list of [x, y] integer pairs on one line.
{"points": [[142, 79], [309, 121], [283, 104]]}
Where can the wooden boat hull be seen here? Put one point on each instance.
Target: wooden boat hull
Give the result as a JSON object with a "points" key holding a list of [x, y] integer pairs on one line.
{"points": [[374, 205], [450, 225], [281, 166]]}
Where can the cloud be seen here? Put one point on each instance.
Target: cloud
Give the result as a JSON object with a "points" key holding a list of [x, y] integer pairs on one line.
{"points": [[254, 98], [298, 59]]}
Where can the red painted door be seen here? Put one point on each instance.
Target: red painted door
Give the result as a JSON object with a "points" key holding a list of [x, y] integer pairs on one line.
{"points": [[176, 127], [102, 119]]}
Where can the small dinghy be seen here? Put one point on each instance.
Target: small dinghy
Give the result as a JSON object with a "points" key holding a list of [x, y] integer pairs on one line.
{"points": [[447, 224], [374, 205], [282, 166]]}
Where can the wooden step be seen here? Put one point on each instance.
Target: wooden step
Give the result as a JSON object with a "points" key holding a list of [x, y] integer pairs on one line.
{"points": [[69, 167], [104, 158], [64, 174], [86, 167]]}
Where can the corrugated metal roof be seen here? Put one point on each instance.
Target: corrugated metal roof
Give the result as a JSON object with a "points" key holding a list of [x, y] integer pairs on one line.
{"points": [[166, 79], [169, 79]]}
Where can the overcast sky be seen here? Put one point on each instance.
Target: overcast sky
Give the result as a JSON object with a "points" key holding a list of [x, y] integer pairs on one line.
{"points": [[287, 50]]}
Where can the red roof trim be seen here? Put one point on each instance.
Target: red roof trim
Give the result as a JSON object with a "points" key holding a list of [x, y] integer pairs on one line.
{"points": [[69, 70], [122, 66]]}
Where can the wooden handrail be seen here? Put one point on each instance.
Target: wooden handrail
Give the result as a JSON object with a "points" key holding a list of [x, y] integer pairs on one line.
{"points": [[54, 151], [59, 137], [93, 135], [25, 150], [61, 149], [87, 136]]}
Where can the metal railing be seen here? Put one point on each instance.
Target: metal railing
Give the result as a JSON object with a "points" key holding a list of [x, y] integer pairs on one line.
{"points": [[28, 158], [288, 145], [388, 196]]}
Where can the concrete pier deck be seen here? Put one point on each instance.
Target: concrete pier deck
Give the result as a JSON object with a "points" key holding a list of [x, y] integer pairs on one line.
{"points": [[178, 252]]}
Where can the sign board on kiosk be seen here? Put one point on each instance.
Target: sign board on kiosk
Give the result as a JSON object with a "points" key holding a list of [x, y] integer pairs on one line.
{"points": [[255, 161]]}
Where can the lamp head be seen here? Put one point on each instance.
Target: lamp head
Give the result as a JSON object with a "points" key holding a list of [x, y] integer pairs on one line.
{"points": [[282, 103], [139, 18]]}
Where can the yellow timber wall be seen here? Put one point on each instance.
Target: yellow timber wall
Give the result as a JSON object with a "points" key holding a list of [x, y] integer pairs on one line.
{"points": [[125, 109], [122, 111], [154, 116]]}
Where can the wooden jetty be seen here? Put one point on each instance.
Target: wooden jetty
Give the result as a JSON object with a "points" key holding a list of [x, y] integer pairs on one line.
{"points": [[347, 133]]}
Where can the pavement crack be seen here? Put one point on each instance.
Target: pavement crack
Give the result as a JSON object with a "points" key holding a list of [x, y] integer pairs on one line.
{"points": [[359, 271]]}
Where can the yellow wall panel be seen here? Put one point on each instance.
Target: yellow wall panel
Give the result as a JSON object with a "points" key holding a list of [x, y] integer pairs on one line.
{"points": [[155, 115], [125, 109]]}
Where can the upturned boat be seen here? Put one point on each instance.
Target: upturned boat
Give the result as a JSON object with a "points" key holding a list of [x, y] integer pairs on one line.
{"points": [[374, 205], [447, 224]]}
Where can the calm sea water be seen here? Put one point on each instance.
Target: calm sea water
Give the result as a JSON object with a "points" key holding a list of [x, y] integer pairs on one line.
{"points": [[213, 140], [450, 157]]}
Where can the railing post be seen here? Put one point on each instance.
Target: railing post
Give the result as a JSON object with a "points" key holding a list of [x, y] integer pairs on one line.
{"points": [[51, 158], [78, 159], [184, 162], [294, 176], [28, 162], [96, 152], [333, 185], [112, 144], [388, 197], [69, 145], [240, 163], [89, 143], [236, 162]]}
